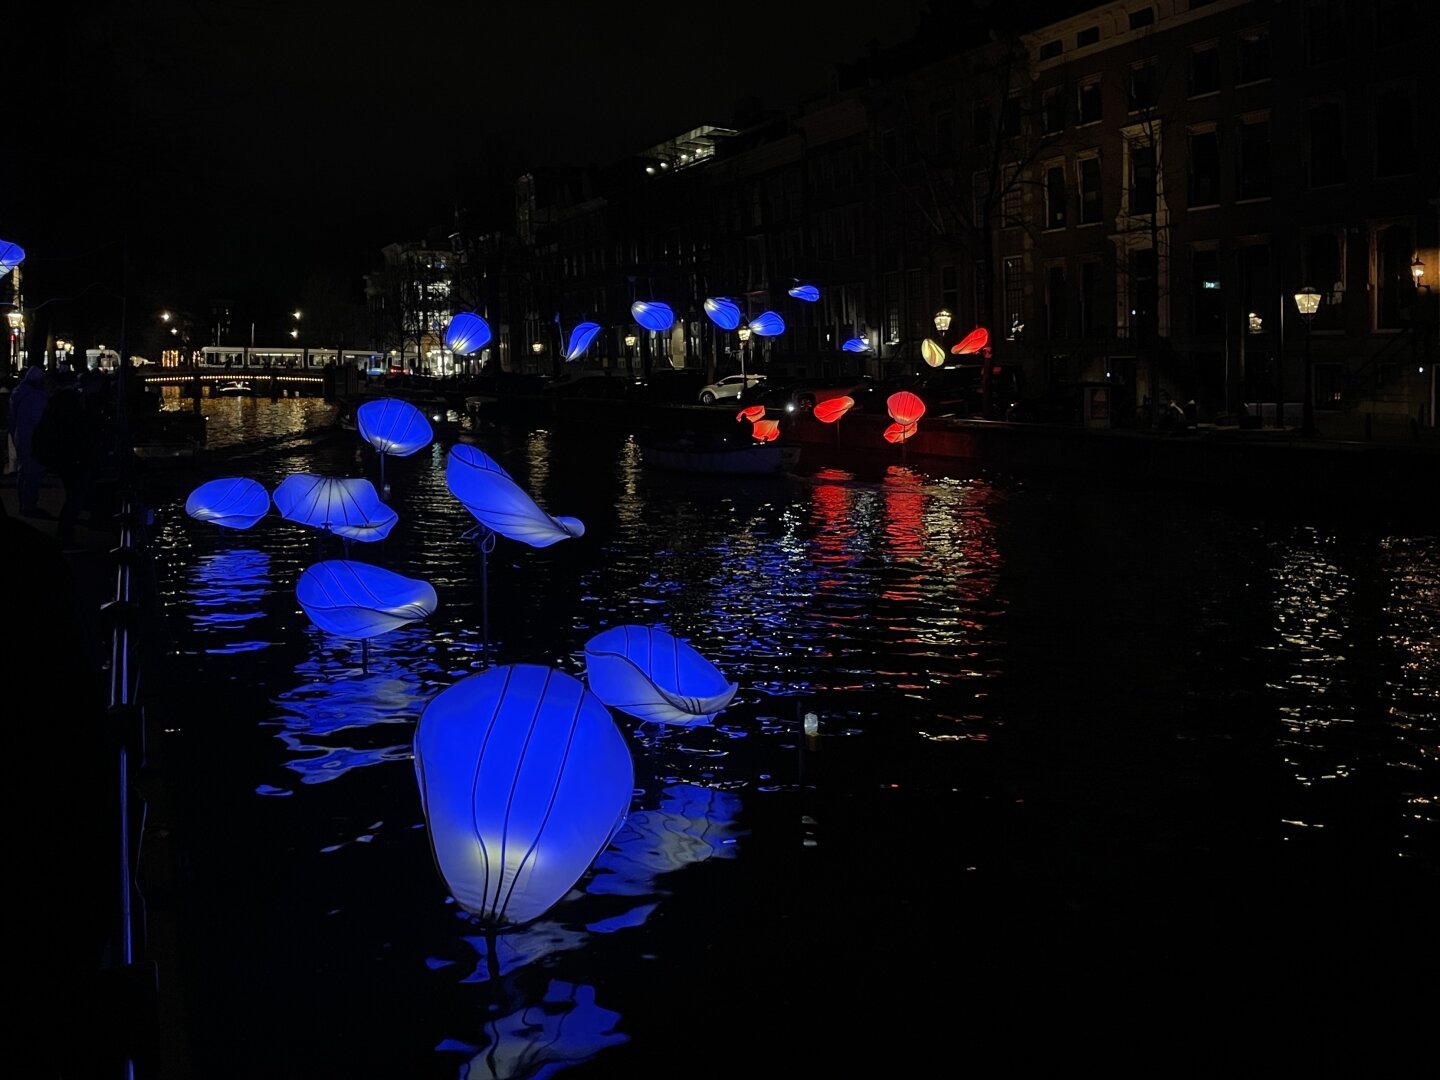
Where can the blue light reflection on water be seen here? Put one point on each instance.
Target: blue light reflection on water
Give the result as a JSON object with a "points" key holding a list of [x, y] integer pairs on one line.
{"points": [[885, 600]]}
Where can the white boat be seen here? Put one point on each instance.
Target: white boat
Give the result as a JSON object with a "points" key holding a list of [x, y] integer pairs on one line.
{"points": [[686, 456], [235, 388]]}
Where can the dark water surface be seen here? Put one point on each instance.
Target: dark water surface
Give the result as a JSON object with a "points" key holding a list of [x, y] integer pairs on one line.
{"points": [[1097, 771]]}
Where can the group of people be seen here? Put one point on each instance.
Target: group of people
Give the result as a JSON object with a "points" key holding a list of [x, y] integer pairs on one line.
{"points": [[58, 422]]}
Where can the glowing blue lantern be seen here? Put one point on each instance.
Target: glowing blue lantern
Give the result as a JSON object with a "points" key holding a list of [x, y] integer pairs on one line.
{"points": [[358, 600], [524, 778], [768, 324], [654, 676], [393, 426], [808, 293], [653, 315], [467, 333], [498, 503], [723, 313], [11, 256], [349, 508], [580, 339], [857, 345], [234, 502]]}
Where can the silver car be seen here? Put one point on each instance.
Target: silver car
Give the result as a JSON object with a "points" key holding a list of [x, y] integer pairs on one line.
{"points": [[729, 388]]}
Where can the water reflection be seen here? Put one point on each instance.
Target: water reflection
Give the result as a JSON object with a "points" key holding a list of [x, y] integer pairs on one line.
{"points": [[564, 1027], [226, 596], [230, 421]]}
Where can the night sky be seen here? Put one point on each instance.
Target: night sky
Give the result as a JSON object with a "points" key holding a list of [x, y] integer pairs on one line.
{"points": [[245, 146]]}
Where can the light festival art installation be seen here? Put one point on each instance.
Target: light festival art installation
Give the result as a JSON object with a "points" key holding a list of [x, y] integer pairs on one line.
{"points": [[905, 408], [349, 507], [467, 333], [524, 779], [393, 427], [808, 293], [653, 315], [832, 409], [973, 342], [751, 413], [722, 312], [932, 353], [654, 676], [580, 339], [765, 430], [898, 433], [498, 503], [235, 502], [11, 256], [857, 345], [361, 601], [767, 324]]}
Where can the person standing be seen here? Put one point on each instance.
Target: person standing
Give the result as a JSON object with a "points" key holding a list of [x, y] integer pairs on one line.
{"points": [[27, 405]]}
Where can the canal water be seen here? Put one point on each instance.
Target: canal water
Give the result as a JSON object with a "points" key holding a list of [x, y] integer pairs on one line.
{"points": [[1095, 769]]}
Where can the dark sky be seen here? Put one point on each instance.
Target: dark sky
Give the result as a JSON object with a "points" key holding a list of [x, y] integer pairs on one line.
{"points": [[246, 145]]}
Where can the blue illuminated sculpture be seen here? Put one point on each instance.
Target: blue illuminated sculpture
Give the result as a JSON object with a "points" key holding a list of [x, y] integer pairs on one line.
{"points": [[234, 502], [767, 324], [654, 676], [857, 345], [358, 600], [467, 333], [498, 503], [524, 778], [395, 427], [11, 256], [653, 315], [349, 508], [808, 293], [580, 339], [723, 313]]}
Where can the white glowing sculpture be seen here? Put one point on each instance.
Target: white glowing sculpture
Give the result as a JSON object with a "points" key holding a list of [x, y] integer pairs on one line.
{"points": [[234, 502], [358, 600], [498, 503], [653, 676], [393, 426], [348, 507], [524, 778]]}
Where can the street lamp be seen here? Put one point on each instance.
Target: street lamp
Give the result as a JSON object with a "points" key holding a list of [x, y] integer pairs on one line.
{"points": [[1417, 270], [942, 321], [1307, 300], [744, 333], [630, 342]]}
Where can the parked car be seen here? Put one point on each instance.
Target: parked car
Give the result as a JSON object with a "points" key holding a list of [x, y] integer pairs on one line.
{"points": [[674, 386], [805, 394], [729, 388]]}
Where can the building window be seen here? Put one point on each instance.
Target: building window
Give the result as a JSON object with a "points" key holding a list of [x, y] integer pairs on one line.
{"points": [[1396, 21], [980, 193], [1204, 69], [1010, 117], [1090, 199], [1055, 197], [1324, 269], [949, 288], [1327, 144], [1014, 297], [894, 285], [1052, 110], [1394, 285], [1089, 36], [1204, 168], [982, 122], [1052, 49], [1089, 102], [1142, 86], [1142, 17], [1254, 55], [1142, 177], [1012, 203], [1092, 307], [1055, 314], [1325, 30], [1394, 132], [1254, 160], [1256, 294], [1206, 306]]}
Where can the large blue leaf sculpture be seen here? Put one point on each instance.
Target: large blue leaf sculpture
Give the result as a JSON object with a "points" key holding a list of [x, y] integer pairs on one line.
{"points": [[393, 426], [467, 333], [723, 313], [11, 256], [234, 502], [358, 600], [653, 315], [580, 339], [348, 507], [857, 345], [498, 503], [808, 293], [524, 778], [654, 676], [768, 324]]}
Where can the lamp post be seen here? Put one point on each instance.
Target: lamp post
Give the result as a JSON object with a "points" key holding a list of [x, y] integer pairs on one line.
{"points": [[744, 333], [16, 318], [630, 342], [942, 323], [1307, 300]]}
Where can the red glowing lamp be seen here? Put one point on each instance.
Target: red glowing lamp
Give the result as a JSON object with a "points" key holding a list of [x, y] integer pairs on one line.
{"points": [[905, 408], [766, 430], [753, 413], [973, 342], [897, 433], [833, 409]]}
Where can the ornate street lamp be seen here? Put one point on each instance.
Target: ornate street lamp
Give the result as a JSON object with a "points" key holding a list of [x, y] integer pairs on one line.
{"points": [[942, 321], [1307, 301], [744, 334]]}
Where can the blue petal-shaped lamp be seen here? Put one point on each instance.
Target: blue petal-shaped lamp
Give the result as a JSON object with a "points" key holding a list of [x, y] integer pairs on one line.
{"points": [[11, 256], [348, 507], [234, 502], [723, 313], [808, 293], [358, 600], [393, 426], [767, 324], [654, 676], [467, 333], [498, 503], [580, 339], [524, 778], [653, 315], [857, 345]]}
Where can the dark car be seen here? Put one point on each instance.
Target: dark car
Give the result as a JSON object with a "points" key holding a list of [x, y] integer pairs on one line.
{"points": [[802, 395], [672, 386]]}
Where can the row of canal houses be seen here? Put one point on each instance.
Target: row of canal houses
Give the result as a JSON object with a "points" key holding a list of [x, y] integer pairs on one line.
{"points": [[1131, 193]]}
